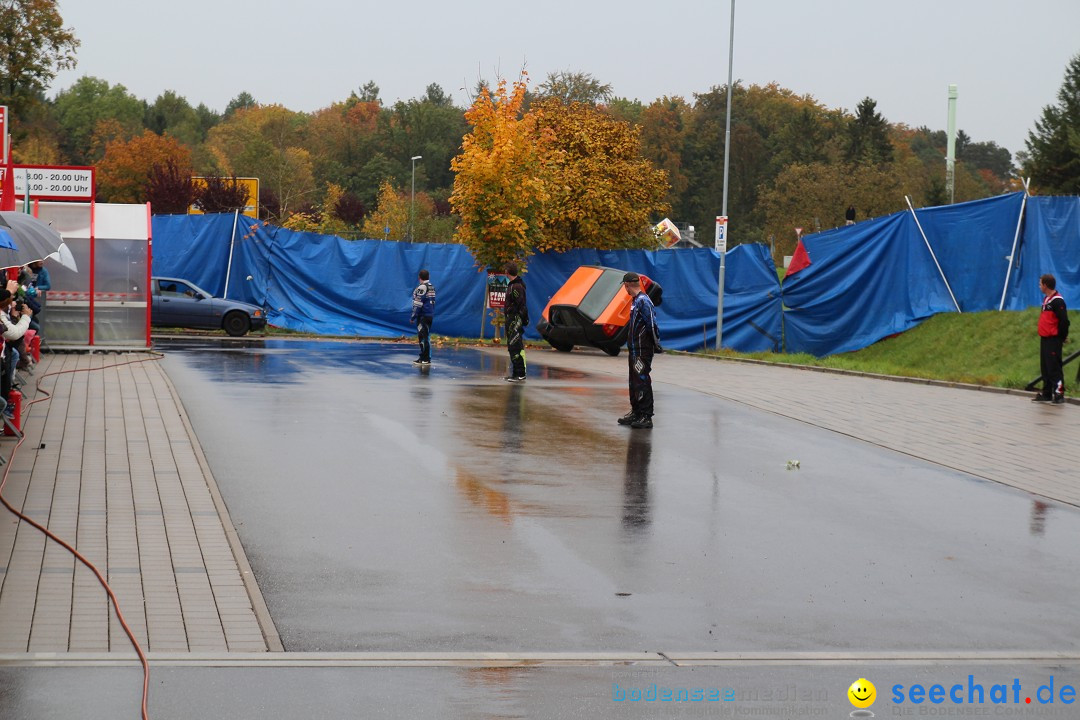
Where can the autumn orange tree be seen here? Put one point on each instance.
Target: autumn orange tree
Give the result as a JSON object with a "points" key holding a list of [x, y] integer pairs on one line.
{"points": [[602, 193], [500, 190], [126, 168]]}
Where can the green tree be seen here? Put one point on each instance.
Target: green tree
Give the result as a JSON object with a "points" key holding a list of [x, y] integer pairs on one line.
{"points": [[170, 113], [431, 127], [82, 107], [988, 156], [629, 110], [341, 139], [369, 92], [1053, 147], [807, 196], [868, 136], [571, 87], [266, 142], [242, 101], [801, 141], [34, 46]]}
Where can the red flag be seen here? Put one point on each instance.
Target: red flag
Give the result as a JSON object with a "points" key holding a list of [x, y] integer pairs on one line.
{"points": [[7, 198], [799, 260]]}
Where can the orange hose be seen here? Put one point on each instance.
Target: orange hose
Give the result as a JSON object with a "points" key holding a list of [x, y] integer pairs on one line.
{"points": [[79, 556]]}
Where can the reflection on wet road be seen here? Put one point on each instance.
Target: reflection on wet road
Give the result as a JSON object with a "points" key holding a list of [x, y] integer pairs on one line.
{"points": [[386, 507]]}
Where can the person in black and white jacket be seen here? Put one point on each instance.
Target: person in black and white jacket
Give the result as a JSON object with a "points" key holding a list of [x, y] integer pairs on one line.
{"points": [[423, 314]]}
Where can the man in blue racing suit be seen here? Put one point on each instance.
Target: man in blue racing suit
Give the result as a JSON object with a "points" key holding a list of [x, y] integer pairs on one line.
{"points": [[642, 341]]}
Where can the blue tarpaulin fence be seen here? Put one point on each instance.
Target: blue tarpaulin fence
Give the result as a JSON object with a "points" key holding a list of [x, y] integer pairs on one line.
{"points": [[327, 285], [864, 282], [1050, 243], [871, 280]]}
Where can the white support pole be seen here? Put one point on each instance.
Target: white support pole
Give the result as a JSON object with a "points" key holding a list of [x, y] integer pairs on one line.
{"points": [[232, 242], [950, 143], [1016, 239], [942, 272]]}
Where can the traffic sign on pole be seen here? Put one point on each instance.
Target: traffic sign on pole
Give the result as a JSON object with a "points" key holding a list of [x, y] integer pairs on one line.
{"points": [[721, 233]]}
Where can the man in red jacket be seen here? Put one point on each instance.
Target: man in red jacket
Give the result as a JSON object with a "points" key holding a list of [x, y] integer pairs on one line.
{"points": [[1053, 330]]}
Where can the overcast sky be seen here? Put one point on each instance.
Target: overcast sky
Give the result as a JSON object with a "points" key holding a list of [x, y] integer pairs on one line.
{"points": [[1007, 58]]}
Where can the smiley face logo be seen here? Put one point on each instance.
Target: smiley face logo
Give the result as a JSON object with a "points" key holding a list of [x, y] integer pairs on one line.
{"points": [[862, 693]]}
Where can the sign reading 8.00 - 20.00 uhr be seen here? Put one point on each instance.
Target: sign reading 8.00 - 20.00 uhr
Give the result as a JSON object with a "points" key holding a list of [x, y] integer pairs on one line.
{"points": [[54, 182]]}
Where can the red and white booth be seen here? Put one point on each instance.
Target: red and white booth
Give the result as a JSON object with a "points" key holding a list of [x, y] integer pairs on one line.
{"points": [[105, 303]]}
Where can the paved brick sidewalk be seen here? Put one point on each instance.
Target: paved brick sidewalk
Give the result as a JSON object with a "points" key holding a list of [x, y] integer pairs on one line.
{"points": [[122, 476], [997, 436]]}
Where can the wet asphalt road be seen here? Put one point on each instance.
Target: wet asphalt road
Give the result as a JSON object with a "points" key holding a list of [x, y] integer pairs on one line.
{"points": [[385, 508], [772, 691]]}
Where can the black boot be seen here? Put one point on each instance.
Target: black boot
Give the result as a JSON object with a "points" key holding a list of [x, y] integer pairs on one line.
{"points": [[644, 422], [628, 418]]}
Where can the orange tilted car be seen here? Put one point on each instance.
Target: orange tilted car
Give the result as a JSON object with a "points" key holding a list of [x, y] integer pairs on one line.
{"points": [[592, 308]]}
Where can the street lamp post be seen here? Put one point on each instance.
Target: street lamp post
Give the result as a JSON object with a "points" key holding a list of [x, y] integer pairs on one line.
{"points": [[727, 160], [412, 198]]}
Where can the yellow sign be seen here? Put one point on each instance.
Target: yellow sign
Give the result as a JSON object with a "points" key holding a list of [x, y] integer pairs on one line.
{"points": [[249, 184]]}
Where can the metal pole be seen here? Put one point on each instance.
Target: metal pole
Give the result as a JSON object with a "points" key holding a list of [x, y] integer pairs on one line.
{"points": [[727, 163], [232, 242], [942, 272], [1016, 238]]}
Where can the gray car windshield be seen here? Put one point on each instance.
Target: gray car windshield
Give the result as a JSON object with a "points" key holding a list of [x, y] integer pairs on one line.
{"points": [[601, 294]]}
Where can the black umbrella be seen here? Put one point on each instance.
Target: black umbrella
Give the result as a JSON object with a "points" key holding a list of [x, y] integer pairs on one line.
{"points": [[31, 239]]}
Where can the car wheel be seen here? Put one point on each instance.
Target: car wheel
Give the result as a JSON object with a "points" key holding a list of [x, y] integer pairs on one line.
{"points": [[612, 350], [561, 347], [236, 324]]}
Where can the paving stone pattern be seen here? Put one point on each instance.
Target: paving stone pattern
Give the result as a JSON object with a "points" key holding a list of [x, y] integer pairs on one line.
{"points": [[119, 477]]}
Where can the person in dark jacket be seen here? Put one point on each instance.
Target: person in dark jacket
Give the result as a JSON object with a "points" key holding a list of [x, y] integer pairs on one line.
{"points": [[516, 314], [642, 341], [423, 314], [1053, 331]]}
